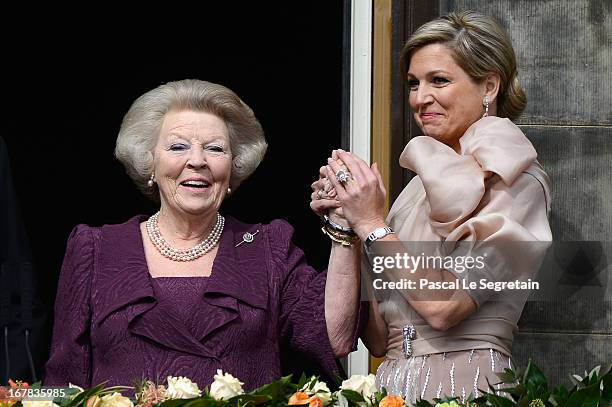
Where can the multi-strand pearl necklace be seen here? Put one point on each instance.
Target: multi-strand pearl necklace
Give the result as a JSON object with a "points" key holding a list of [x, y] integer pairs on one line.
{"points": [[195, 252]]}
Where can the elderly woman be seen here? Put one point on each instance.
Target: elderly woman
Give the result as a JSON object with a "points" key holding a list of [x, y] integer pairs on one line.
{"points": [[477, 181], [188, 291]]}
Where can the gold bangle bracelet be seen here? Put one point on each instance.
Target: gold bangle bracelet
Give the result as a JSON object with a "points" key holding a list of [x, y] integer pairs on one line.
{"points": [[344, 240]]}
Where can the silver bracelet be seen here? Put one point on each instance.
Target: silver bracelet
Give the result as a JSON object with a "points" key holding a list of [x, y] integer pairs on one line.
{"points": [[338, 228]]}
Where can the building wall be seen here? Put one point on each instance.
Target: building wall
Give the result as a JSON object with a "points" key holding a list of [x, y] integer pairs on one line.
{"points": [[564, 51]]}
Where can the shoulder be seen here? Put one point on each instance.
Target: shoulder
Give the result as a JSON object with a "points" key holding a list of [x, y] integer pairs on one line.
{"points": [[280, 229], [120, 228], [82, 234], [531, 185], [85, 236], [280, 237], [82, 229], [278, 241]]}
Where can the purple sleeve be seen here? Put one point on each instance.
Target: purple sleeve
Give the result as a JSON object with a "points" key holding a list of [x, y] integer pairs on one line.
{"points": [[302, 315], [69, 360]]}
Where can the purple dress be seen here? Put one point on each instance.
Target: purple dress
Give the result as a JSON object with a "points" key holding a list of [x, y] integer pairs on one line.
{"points": [[259, 314]]}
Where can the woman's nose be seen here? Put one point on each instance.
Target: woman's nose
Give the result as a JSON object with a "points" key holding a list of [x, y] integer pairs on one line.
{"points": [[197, 158], [423, 95]]}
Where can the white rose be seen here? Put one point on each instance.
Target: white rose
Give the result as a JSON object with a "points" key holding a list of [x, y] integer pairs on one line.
{"points": [[182, 388], [364, 385], [225, 386], [115, 400], [320, 390]]}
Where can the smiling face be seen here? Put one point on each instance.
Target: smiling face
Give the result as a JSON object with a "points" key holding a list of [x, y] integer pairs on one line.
{"points": [[445, 101], [192, 163]]}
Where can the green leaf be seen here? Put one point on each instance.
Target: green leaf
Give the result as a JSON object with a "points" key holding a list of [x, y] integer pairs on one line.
{"points": [[81, 398], [447, 399], [247, 399], [353, 396], [379, 395], [606, 379], [276, 389], [200, 402], [174, 403], [535, 382], [507, 377], [499, 401], [303, 380], [585, 397]]}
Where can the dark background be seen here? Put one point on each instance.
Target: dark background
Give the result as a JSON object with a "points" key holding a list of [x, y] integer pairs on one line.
{"points": [[72, 75]]}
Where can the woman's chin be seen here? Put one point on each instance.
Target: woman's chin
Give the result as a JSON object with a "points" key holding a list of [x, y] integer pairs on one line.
{"points": [[194, 209]]}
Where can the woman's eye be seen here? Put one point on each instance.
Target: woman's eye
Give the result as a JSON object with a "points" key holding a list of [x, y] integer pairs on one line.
{"points": [[215, 149], [438, 80], [413, 84], [178, 147]]}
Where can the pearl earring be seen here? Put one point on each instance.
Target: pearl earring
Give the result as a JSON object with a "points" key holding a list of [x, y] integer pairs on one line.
{"points": [[229, 190], [485, 103], [151, 181]]}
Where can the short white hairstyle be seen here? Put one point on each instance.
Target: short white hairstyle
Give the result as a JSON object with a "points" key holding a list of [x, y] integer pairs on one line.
{"points": [[141, 127]]}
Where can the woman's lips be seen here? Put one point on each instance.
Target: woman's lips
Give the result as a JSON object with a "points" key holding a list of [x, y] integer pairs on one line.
{"points": [[428, 116], [195, 190]]}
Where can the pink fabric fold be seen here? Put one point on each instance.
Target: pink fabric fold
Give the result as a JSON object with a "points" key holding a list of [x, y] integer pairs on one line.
{"points": [[493, 191], [454, 183]]}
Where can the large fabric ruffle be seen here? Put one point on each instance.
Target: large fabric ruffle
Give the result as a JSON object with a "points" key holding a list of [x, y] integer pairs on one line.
{"points": [[493, 191]]}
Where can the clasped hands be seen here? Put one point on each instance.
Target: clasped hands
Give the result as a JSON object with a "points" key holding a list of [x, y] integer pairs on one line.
{"points": [[358, 202]]}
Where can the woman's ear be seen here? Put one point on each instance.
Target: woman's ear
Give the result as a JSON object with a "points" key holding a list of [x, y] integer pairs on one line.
{"points": [[492, 87]]}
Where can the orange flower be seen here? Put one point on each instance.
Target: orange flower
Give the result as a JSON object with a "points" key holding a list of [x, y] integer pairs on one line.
{"points": [[391, 401], [315, 402], [300, 398], [18, 383]]}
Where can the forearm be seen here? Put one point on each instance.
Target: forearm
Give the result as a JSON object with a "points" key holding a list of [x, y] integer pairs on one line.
{"points": [[441, 308], [342, 297]]}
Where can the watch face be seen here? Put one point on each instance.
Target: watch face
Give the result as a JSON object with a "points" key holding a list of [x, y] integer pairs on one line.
{"points": [[379, 233]]}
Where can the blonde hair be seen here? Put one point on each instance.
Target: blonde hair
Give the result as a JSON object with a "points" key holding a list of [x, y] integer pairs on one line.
{"points": [[142, 123], [480, 46]]}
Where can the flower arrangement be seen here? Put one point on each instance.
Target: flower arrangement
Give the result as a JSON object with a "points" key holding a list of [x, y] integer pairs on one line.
{"points": [[528, 388]]}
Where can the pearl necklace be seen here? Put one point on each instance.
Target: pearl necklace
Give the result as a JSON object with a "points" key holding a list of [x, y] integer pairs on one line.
{"points": [[195, 252]]}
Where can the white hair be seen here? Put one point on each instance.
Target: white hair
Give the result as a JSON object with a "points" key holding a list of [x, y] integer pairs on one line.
{"points": [[142, 123]]}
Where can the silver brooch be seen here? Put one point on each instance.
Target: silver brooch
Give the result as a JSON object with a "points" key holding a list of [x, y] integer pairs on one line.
{"points": [[248, 237], [409, 333]]}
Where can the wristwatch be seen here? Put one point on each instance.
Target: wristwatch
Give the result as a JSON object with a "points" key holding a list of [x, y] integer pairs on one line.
{"points": [[376, 234]]}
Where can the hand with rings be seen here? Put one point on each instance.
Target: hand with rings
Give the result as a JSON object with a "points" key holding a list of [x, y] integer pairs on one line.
{"points": [[342, 175], [359, 190], [324, 198]]}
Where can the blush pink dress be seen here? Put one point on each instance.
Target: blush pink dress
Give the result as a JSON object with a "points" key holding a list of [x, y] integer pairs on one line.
{"points": [[494, 190]]}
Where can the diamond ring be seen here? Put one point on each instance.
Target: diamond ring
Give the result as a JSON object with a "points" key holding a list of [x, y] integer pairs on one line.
{"points": [[342, 176]]}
